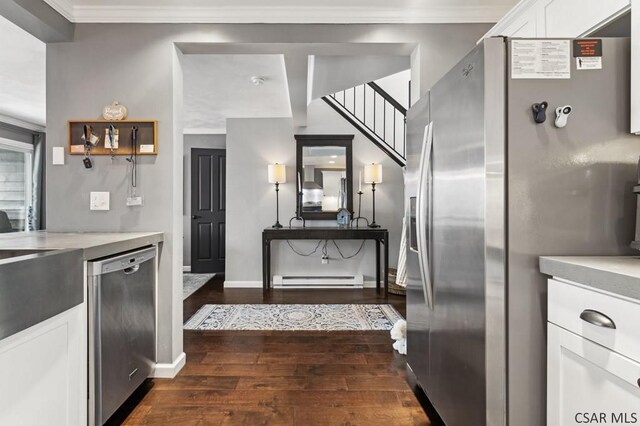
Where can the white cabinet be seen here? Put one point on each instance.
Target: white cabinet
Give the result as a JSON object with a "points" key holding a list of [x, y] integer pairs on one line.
{"points": [[558, 18], [593, 362], [586, 379], [43, 372]]}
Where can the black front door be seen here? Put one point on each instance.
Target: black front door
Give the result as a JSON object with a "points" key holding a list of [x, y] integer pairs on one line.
{"points": [[208, 171]]}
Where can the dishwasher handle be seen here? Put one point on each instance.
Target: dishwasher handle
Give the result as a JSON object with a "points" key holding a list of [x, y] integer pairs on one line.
{"points": [[132, 269]]}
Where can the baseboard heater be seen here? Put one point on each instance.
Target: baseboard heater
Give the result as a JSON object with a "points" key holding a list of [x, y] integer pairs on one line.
{"points": [[318, 281]]}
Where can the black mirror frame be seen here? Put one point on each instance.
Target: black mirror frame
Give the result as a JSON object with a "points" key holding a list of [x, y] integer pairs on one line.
{"points": [[345, 141]]}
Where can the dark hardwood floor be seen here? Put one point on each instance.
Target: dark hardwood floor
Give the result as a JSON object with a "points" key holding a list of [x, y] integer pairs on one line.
{"points": [[278, 377]]}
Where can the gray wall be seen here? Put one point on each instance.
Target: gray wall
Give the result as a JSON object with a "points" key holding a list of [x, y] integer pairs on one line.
{"points": [[251, 200], [139, 65], [193, 141]]}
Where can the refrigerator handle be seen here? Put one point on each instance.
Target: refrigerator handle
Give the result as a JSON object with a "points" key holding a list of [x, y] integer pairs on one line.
{"points": [[422, 213]]}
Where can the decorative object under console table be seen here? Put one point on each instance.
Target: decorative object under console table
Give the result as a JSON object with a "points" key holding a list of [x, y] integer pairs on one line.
{"points": [[379, 235]]}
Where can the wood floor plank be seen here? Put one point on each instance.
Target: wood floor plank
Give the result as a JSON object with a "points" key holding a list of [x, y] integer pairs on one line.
{"points": [[216, 415], [293, 383], [346, 370], [312, 358], [231, 358], [389, 383], [330, 348], [239, 370], [183, 382]]}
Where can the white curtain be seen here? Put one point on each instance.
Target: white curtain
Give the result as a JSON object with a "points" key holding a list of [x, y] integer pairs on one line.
{"points": [[37, 202], [401, 277]]}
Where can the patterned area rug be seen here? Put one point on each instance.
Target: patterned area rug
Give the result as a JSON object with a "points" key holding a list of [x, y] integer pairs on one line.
{"points": [[192, 282], [294, 317]]}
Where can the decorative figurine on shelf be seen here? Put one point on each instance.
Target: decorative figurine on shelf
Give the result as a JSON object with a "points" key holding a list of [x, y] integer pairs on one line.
{"points": [[344, 217], [114, 112]]}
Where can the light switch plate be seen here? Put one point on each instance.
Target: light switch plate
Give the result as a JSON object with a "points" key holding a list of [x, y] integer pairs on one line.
{"points": [[99, 201], [57, 156]]}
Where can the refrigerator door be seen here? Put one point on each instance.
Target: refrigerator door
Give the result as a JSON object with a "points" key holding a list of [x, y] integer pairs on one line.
{"points": [[417, 310], [458, 323], [570, 193]]}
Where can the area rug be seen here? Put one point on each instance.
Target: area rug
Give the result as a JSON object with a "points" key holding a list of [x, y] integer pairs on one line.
{"points": [[294, 317], [192, 282]]}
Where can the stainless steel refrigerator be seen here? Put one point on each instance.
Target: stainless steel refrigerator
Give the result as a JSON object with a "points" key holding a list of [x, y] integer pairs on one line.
{"points": [[488, 190]]}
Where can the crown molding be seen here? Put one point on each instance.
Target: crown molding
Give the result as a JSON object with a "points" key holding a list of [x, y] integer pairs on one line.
{"points": [[63, 7], [274, 14]]}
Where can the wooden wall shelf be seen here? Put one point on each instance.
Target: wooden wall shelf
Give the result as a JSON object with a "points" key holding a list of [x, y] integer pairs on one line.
{"points": [[147, 136]]}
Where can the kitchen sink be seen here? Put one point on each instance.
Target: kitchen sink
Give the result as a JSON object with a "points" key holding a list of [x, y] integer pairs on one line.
{"points": [[8, 254], [37, 284]]}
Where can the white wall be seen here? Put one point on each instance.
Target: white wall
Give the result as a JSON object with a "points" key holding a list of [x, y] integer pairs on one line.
{"points": [[254, 143], [193, 141]]}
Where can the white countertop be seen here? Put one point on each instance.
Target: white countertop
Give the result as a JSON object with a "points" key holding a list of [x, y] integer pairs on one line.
{"points": [[94, 245], [616, 274]]}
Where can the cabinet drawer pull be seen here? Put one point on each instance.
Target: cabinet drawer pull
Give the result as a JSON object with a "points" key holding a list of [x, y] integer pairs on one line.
{"points": [[639, 383], [597, 318]]}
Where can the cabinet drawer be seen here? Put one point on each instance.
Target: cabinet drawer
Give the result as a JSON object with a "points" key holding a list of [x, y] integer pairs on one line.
{"points": [[568, 302]]}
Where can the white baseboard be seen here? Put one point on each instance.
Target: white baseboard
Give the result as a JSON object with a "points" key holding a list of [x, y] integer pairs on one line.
{"points": [[258, 284], [243, 284], [169, 371], [186, 268]]}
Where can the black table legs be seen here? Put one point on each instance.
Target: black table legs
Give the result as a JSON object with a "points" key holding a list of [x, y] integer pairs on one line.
{"points": [[266, 264], [381, 236], [386, 264]]}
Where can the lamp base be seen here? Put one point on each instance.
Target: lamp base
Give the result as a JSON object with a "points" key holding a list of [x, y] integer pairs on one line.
{"points": [[373, 225], [277, 225]]}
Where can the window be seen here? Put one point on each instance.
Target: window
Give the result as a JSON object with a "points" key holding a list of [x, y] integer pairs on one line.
{"points": [[15, 184]]}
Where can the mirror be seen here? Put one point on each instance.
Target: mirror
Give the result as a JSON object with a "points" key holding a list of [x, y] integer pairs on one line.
{"points": [[324, 171]]}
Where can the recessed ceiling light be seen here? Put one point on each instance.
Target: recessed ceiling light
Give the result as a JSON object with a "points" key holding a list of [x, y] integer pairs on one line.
{"points": [[332, 162], [334, 156], [257, 80]]}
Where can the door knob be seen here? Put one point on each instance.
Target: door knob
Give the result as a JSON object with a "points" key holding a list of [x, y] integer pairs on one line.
{"points": [[195, 216]]}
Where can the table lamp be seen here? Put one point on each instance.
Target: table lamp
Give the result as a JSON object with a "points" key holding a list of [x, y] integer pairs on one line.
{"points": [[277, 174], [373, 175]]}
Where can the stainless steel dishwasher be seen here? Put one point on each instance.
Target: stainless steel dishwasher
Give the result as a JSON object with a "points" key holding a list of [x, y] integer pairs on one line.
{"points": [[122, 329]]}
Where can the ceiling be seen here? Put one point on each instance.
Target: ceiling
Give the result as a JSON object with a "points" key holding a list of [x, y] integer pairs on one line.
{"points": [[217, 87], [283, 11], [22, 75]]}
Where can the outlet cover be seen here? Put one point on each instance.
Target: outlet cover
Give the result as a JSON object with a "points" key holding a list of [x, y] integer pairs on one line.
{"points": [[99, 201]]}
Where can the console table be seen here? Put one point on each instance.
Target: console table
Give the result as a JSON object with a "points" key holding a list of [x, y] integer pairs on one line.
{"points": [[380, 235]]}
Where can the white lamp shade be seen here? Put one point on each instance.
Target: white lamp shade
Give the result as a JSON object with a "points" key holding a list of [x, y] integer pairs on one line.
{"points": [[277, 173], [373, 173]]}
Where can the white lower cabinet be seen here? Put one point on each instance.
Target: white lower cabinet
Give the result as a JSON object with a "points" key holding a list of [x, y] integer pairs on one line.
{"points": [[43, 372], [589, 382]]}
